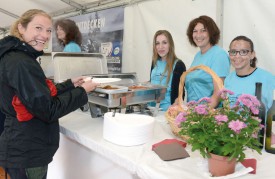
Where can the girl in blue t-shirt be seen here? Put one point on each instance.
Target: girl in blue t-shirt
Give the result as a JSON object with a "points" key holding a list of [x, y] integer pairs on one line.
{"points": [[166, 67], [242, 80]]}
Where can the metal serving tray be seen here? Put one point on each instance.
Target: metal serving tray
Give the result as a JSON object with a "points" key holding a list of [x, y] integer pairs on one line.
{"points": [[117, 99]]}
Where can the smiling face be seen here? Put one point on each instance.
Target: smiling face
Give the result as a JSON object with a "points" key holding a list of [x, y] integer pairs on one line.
{"points": [[241, 63], [201, 37], [37, 33], [162, 46], [60, 33]]}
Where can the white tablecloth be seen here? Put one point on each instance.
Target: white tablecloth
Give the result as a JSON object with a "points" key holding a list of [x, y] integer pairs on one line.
{"points": [[140, 160]]}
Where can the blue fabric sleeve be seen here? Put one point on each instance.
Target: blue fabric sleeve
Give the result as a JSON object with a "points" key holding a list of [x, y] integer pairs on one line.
{"points": [[221, 64]]}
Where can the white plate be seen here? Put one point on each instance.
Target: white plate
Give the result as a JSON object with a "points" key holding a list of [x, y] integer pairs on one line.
{"points": [[103, 80]]}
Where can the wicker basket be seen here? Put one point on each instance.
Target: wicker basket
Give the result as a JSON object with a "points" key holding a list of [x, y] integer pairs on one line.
{"points": [[218, 85]]}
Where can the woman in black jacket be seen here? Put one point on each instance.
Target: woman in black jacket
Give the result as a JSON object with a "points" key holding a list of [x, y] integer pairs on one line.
{"points": [[32, 103], [166, 68]]}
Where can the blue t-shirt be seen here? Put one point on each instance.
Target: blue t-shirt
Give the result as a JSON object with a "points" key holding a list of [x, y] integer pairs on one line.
{"points": [[199, 84], [158, 77], [246, 85], [72, 47]]}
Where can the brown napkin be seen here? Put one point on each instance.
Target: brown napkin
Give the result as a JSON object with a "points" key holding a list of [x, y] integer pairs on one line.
{"points": [[168, 141], [250, 162], [171, 151]]}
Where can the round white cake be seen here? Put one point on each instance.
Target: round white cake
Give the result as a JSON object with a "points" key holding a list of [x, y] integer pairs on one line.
{"points": [[128, 129]]}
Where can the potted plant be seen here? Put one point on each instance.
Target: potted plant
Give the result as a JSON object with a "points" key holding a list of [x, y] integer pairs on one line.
{"points": [[226, 131]]}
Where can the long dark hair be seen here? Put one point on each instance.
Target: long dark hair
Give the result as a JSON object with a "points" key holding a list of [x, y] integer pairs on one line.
{"points": [[71, 30], [171, 56]]}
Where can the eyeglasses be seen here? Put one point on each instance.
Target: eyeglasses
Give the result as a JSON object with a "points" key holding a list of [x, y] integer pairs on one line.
{"points": [[241, 52]]}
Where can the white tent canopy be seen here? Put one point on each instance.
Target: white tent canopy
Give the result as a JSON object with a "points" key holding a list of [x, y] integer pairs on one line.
{"points": [[253, 18], [11, 10]]}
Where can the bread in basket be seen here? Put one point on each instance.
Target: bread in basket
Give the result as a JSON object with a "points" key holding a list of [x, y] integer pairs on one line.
{"points": [[175, 109]]}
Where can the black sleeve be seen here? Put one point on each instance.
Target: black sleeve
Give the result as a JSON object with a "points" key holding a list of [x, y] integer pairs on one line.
{"points": [[28, 81], [2, 120], [64, 86], [152, 67], [178, 70]]}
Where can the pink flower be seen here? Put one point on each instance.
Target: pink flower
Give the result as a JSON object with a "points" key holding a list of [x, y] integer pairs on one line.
{"points": [[255, 135], [191, 104], [256, 118], [221, 118], [236, 126], [223, 93], [201, 109], [254, 110], [261, 126], [181, 118], [249, 100], [230, 125]]}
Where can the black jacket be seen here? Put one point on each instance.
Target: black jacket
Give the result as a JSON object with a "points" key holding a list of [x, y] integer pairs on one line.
{"points": [[31, 143], [2, 119], [177, 72]]}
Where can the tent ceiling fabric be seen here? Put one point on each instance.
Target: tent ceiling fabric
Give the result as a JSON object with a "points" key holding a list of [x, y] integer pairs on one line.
{"points": [[11, 8]]}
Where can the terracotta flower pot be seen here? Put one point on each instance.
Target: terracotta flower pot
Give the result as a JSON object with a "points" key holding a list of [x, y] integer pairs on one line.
{"points": [[220, 166]]}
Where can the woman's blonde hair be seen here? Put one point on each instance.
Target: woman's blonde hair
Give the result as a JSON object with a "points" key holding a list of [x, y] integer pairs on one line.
{"points": [[171, 56], [25, 19]]}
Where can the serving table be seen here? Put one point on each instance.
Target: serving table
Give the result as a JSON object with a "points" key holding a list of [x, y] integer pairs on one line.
{"points": [[84, 154]]}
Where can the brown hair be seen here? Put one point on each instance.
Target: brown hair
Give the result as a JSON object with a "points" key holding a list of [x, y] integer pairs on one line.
{"points": [[25, 19], [209, 25], [171, 56], [244, 38], [71, 30]]}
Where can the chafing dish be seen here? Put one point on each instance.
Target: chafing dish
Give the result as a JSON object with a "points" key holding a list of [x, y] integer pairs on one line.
{"points": [[124, 98]]}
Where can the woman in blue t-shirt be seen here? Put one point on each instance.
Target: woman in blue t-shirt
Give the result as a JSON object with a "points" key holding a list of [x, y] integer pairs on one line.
{"points": [[203, 32], [166, 67], [242, 80], [68, 35]]}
